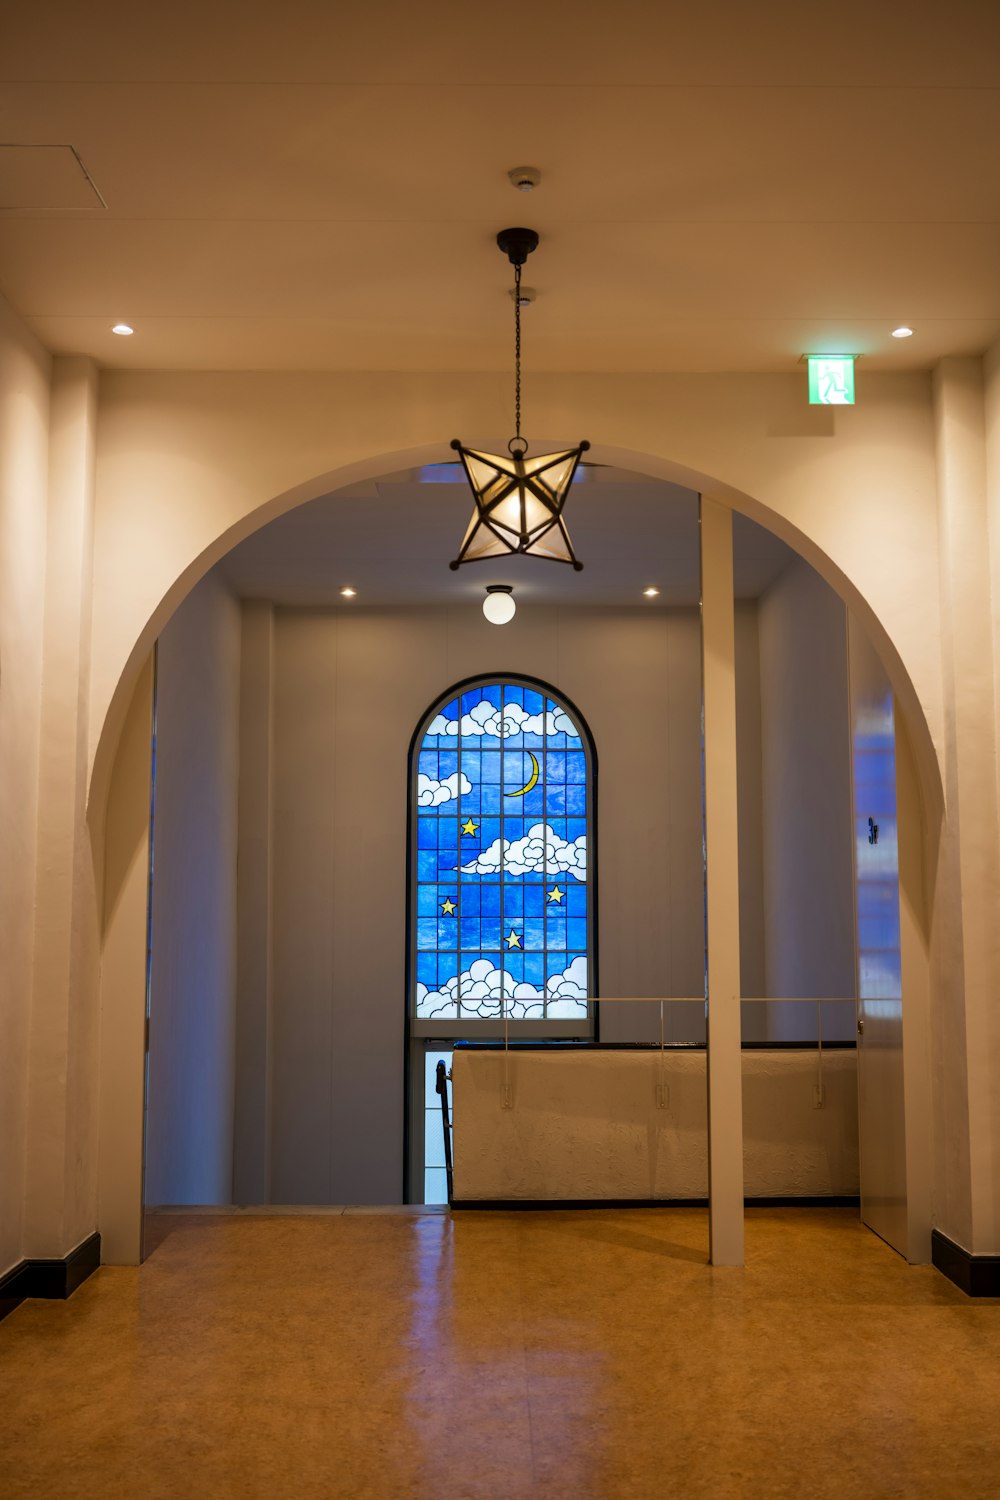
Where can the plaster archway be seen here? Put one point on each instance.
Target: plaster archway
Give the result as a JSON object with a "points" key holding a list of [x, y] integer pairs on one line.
{"points": [[656, 467], [924, 750]]}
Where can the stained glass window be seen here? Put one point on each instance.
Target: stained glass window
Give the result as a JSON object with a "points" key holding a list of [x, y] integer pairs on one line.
{"points": [[502, 875]]}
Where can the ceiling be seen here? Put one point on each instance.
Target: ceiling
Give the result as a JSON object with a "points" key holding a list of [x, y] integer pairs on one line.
{"points": [[301, 186], [392, 542]]}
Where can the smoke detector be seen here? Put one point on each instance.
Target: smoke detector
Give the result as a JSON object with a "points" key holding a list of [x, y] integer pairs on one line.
{"points": [[524, 178], [524, 296]]}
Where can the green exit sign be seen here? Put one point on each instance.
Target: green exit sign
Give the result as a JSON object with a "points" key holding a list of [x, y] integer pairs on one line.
{"points": [[831, 379]]}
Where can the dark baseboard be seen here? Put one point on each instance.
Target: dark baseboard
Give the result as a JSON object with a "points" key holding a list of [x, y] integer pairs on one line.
{"points": [[533, 1204], [976, 1275], [49, 1278]]}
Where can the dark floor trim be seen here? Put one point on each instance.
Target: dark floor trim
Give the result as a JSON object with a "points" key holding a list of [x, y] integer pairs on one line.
{"points": [[533, 1204], [57, 1278], [976, 1275]]}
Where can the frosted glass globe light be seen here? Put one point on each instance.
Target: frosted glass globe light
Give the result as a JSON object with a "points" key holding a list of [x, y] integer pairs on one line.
{"points": [[499, 606]]}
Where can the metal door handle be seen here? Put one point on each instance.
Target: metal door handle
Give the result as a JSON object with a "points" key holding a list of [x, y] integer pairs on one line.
{"points": [[861, 1026]]}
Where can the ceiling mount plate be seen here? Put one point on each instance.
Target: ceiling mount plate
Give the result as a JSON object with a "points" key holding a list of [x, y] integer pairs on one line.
{"points": [[517, 244]]}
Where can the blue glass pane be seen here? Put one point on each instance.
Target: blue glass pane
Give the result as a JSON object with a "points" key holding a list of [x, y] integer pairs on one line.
{"points": [[555, 931], [489, 896], [534, 969], [576, 933], [490, 766], [471, 932], [447, 763], [470, 898], [533, 802], [427, 932], [576, 800], [514, 966], [427, 900], [427, 833], [534, 703], [575, 899], [490, 797], [534, 898], [427, 763], [513, 900], [447, 832], [576, 767], [491, 937], [489, 831], [427, 864], [555, 766], [427, 970], [534, 933], [555, 801], [447, 932], [447, 972], [471, 765]]}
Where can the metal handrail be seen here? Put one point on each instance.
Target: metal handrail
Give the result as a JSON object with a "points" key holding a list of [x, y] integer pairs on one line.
{"points": [[441, 1088]]}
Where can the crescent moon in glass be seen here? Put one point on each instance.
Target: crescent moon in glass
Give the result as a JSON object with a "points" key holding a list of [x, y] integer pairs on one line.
{"points": [[531, 779]]}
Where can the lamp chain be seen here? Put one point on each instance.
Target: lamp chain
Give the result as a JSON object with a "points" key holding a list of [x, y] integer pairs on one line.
{"points": [[517, 351]]}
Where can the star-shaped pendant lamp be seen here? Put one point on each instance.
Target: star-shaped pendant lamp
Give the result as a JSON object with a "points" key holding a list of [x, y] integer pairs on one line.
{"points": [[519, 500]]}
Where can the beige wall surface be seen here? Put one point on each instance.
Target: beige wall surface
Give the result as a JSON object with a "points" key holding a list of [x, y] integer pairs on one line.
{"points": [[123, 985], [189, 464], [348, 691], [806, 813], [192, 1002], [591, 1126], [24, 422], [894, 501]]}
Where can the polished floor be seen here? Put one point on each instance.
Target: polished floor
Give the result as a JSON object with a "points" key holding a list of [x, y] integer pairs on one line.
{"points": [[569, 1356]]}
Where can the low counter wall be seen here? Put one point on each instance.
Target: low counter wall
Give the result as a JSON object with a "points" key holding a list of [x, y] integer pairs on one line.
{"points": [[588, 1125]]}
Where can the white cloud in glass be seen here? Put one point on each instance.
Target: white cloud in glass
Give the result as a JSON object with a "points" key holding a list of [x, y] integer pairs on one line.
{"points": [[486, 718], [432, 793], [540, 851]]}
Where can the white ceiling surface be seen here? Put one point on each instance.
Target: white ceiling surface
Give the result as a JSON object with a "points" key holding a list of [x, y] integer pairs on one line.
{"points": [[725, 186], [393, 540]]}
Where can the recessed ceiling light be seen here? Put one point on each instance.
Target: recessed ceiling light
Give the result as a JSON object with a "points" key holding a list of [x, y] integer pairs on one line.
{"points": [[124, 329], [651, 593], [902, 332], [348, 593]]}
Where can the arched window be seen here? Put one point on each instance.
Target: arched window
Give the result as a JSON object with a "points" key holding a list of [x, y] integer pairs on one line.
{"points": [[502, 877]]}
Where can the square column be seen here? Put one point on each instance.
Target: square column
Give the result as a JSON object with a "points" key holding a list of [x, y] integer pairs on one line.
{"points": [[725, 1074]]}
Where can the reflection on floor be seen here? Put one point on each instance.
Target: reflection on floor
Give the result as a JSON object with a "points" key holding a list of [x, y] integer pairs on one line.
{"points": [[575, 1355]]}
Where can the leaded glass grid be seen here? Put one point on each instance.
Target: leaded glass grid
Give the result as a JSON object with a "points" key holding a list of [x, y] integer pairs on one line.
{"points": [[502, 874]]}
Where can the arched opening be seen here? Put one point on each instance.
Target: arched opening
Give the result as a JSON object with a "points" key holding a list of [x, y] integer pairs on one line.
{"points": [[264, 643]]}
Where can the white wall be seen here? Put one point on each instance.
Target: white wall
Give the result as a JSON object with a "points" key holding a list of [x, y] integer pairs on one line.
{"points": [[806, 813], [347, 689], [189, 1130], [24, 418]]}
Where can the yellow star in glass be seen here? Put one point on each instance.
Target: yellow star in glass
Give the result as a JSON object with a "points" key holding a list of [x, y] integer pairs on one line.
{"points": [[469, 828], [513, 941], [556, 894], [448, 907]]}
